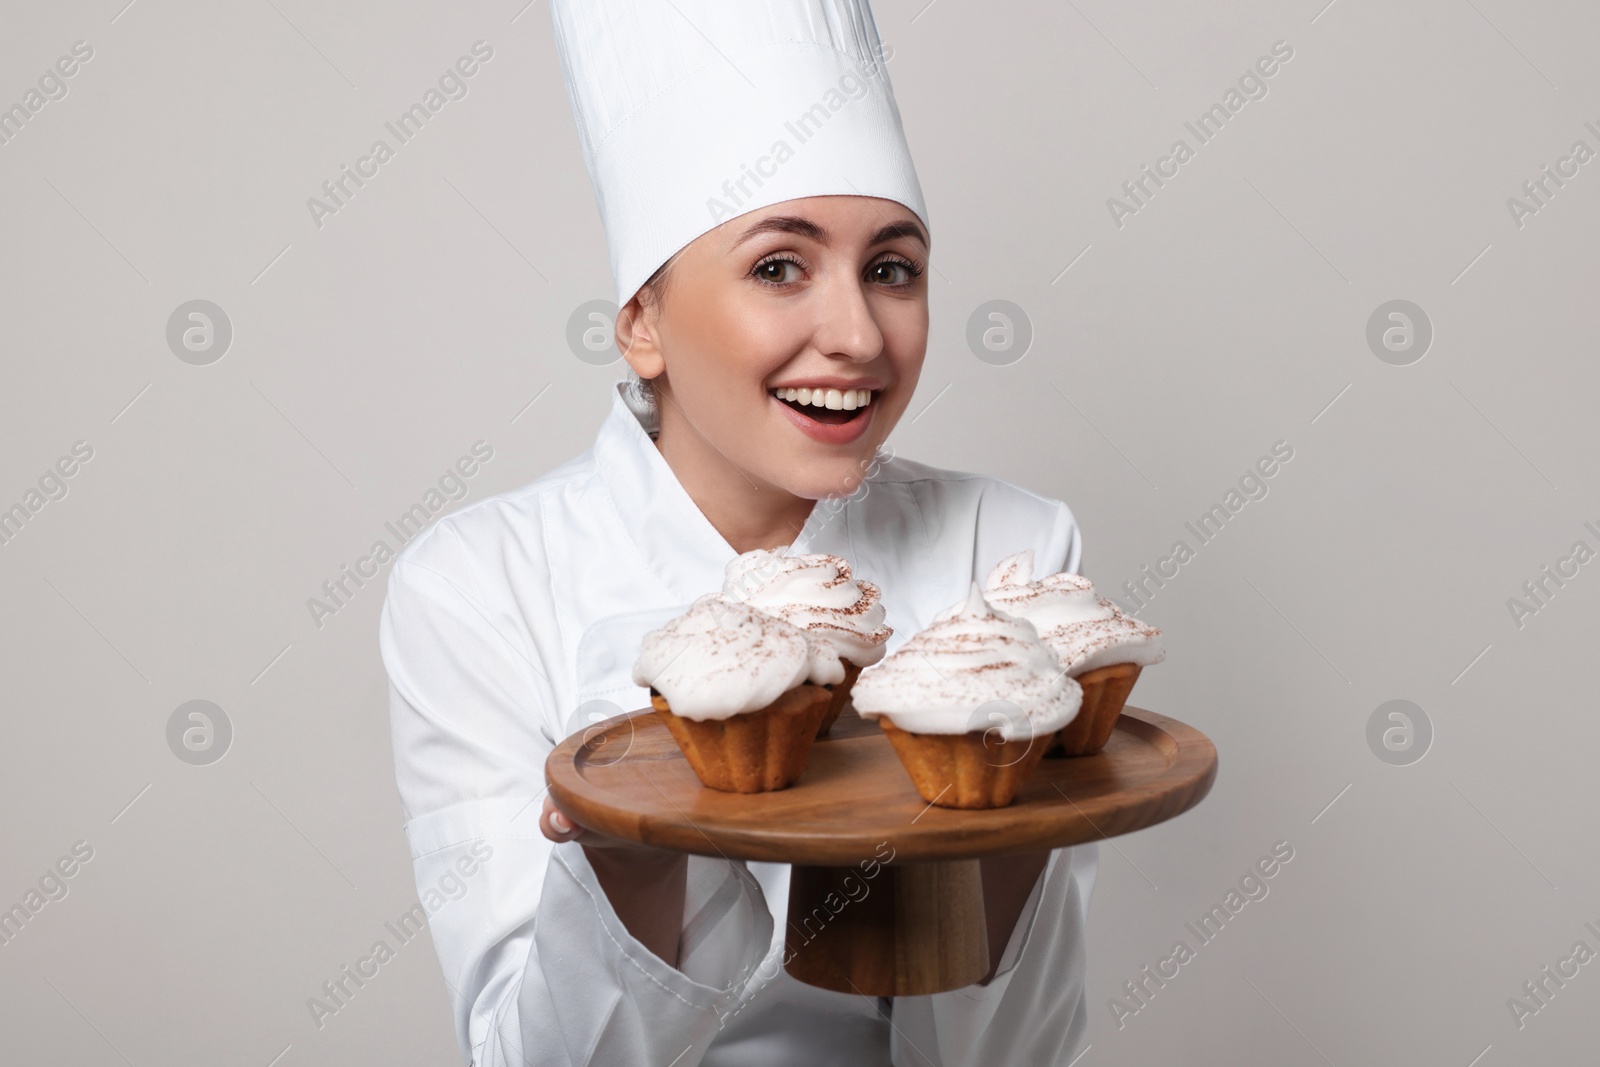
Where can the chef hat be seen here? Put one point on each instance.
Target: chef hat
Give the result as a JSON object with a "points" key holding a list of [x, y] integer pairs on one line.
{"points": [[693, 112]]}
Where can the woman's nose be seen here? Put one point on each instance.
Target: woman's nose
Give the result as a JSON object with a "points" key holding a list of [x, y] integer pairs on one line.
{"points": [[847, 329]]}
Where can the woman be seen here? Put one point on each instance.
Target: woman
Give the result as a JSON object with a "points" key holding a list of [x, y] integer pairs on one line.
{"points": [[771, 354]]}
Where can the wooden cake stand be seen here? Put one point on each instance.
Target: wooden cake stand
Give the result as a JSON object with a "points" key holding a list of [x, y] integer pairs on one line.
{"points": [[885, 895]]}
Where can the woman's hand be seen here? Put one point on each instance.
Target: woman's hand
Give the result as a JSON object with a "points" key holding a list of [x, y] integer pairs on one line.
{"points": [[645, 885], [554, 824], [560, 829]]}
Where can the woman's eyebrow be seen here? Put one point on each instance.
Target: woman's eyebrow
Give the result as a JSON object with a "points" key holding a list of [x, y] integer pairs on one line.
{"points": [[906, 228], [806, 228], [784, 224]]}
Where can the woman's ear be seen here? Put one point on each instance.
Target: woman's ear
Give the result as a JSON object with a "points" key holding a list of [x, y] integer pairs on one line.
{"points": [[636, 338]]}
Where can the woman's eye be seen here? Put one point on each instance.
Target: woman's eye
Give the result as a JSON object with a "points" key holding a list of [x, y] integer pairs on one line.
{"points": [[776, 271], [890, 272]]}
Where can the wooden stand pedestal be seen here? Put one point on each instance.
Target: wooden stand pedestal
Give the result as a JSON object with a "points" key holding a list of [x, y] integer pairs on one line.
{"points": [[915, 928], [916, 925]]}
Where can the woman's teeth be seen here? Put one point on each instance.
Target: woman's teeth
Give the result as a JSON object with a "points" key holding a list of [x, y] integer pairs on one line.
{"points": [[836, 399]]}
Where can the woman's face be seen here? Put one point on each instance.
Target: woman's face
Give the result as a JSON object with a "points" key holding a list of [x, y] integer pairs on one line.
{"points": [[788, 341]]}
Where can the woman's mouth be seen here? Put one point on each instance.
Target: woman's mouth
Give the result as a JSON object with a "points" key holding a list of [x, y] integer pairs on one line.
{"points": [[831, 407], [828, 415]]}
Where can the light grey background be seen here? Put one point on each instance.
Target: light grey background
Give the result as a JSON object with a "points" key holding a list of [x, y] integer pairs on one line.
{"points": [[1229, 313]]}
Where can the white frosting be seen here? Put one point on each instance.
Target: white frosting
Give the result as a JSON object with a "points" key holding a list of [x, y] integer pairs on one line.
{"points": [[1087, 646], [722, 658], [1085, 629], [976, 669], [816, 593]]}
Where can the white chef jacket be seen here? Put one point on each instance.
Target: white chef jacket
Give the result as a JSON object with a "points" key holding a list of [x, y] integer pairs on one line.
{"points": [[509, 624]]}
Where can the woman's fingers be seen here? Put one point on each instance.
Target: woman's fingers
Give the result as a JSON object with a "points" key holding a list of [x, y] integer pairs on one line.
{"points": [[556, 826]]}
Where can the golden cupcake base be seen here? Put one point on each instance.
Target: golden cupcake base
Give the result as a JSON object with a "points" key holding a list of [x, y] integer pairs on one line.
{"points": [[970, 770], [755, 751], [1105, 691], [841, 697]]}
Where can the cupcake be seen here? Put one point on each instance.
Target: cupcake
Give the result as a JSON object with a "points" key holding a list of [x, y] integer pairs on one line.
{"points": [[816, 593], [970, 704], [1099, 645], [742, 692]]}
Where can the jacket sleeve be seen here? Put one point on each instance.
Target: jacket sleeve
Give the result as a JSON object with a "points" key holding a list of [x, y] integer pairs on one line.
{"points": [[540, 969], [1035, 1009]]}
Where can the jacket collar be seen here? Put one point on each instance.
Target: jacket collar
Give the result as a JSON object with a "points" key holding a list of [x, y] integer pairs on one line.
{"points": [[678, 543]]}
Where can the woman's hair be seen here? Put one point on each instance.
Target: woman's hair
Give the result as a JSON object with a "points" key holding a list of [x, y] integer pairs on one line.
{"points": [[654, 289]]}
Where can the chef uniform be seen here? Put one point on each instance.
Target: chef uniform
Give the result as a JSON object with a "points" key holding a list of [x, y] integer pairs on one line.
{"points": [[514, 622]]}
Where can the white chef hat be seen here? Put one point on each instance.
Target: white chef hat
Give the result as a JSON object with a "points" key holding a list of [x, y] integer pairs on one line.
{"points": [[692, 112]]}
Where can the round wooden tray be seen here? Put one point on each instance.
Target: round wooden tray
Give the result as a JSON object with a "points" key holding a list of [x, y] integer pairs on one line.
{"points": [[627, 778], [854, 810]]}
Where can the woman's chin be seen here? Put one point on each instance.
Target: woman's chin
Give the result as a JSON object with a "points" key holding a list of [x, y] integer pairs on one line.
{"points": [[834, 478], [815, 467]]}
